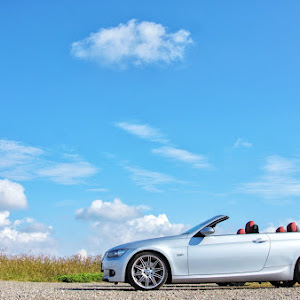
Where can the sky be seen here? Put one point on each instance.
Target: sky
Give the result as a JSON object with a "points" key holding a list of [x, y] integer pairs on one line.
{"points": [[129, 121]]}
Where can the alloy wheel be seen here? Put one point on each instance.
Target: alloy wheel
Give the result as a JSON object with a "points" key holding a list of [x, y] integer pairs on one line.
{"points": [[148, 271]]}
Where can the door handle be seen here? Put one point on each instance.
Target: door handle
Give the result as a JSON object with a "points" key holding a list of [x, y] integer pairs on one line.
{"points": [[260, 240]]}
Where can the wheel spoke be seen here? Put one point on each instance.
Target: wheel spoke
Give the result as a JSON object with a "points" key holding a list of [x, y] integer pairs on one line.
{"points": [[149, 261], [141, 279], [153, 280], [139, 267], [146, 281], [157, 275], [143, 263], [155, 263], [158, 269], [139, 273]]}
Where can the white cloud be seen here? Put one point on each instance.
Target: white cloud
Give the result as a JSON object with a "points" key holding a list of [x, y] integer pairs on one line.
{"points": [[107, 233], [279, 179], [4, 221], [16, 159], [149, 180], [12, 195], [82, 254], [13, 152], [146, 227], [68, 173], [143, 131], [241, 143], [147, 132], [24, 236], [155, 226], [133, 43], [112, 211], [196, 160], [21, 162]]}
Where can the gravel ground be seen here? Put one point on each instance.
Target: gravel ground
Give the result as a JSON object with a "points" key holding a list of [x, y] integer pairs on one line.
{"points": [[36, 290]]}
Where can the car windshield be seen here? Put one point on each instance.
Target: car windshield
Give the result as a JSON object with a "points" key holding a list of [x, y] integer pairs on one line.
{"points": [[197, 227]]}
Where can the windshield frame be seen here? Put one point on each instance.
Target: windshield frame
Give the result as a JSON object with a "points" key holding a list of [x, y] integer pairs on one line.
{"points": [[210, 222]]}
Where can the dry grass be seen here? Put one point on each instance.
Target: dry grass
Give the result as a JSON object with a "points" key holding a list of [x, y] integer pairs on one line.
{"points": [[261, 285], [45, 268]]}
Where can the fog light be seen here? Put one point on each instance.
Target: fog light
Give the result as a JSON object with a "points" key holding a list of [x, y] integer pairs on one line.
{"points": [[112, 273]]}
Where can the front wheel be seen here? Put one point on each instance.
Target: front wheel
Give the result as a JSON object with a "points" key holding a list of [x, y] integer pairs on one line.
{"points": [[288, 283], [147, 271]]}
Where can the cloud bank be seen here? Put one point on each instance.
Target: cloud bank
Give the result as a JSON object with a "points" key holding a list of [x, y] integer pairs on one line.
{"points": [[107, 232], [22, 162], [12, 195], [109, 211], [133, 43], [25, 236]]}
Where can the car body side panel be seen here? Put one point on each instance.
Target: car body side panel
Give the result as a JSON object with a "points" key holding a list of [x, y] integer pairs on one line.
{"points": [[285, 249], [267, 274], [228, 254]]}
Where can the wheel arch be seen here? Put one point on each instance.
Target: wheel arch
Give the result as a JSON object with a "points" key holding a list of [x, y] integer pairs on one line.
{"points": [[169, 279]]}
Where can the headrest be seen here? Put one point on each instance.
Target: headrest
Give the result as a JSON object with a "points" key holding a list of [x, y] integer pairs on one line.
{"points": [[255, 229], [249, 227], [292, 227], [241, 231], [280, 229]]}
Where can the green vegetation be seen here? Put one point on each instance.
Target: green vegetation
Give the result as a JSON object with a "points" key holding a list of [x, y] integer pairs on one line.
{"points": [[45, 268]]}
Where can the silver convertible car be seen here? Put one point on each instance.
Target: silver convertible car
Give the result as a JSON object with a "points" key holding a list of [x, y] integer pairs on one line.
{"points": [[198, 256]]}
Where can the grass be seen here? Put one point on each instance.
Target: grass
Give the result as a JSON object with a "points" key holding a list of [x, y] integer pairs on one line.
{"points": [[44, 268], [261, 285]]}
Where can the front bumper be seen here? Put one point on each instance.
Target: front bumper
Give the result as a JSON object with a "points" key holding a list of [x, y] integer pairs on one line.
{"points": [[114, 269]]}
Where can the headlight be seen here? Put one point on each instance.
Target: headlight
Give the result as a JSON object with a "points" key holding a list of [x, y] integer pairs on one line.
{"points": [[116, 253]]}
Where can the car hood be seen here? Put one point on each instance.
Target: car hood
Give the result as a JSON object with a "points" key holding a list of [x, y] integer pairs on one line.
{"points": [[149, 242]]}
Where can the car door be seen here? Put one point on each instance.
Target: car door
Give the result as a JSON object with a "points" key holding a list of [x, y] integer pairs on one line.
{"points": [[223, 254]]}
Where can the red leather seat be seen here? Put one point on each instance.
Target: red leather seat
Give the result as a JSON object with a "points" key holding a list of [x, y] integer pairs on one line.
{"points": [[280, 229], [251, 227], [241, 231], [292, 227]]}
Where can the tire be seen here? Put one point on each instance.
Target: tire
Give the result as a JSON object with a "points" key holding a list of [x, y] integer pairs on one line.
{"points": [[288, 283], [147, 271], [297, 271], [222, 283]]}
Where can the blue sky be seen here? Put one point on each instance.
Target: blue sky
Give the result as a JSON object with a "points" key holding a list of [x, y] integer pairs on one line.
{"points": [[130, 121]]}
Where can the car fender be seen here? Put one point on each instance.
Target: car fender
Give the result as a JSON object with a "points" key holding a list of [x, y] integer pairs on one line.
{"points": [[178, 266]]}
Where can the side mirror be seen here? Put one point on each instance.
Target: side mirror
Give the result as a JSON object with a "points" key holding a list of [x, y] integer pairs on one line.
{"points": [[207, 231]]}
